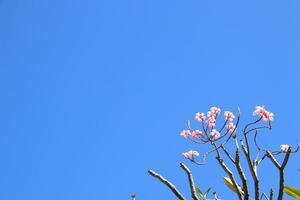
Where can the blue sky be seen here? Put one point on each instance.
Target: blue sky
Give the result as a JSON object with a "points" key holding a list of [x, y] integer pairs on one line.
{"points": [[95, 93]]}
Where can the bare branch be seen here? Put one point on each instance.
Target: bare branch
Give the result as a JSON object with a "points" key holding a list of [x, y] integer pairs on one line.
{"points": [[245, 128], [286, 158], [259, 161], [230, 174], [264, 195], [223, 126], [272, 158], [198, 142], [281, 174], [167, 183], [252, 168], [241, 174], [281, 170], [196, 162], [258, 128], [227, 154], [191, 181]]}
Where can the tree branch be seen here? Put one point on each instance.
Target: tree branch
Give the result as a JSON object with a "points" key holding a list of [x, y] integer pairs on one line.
{"points": [[281, 174], [241, 174], [167, 183], [252, 169], [272, 158], [281, 170], [227, 170], [191, 181]]}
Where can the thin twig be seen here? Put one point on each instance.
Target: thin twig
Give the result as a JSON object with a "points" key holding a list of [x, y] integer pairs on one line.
{"points": [[133, 196], [264, 195], [258, 128], [223, 126], [227, 154], [245, 128], [271, 194]]}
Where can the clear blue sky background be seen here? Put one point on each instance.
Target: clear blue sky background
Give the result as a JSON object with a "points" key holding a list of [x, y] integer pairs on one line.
{"points": [[94, 93]]}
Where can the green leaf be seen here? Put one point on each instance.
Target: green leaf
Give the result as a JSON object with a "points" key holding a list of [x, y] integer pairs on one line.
{"points": [[292, 191], [206, 192], [199, 192], [230, 185]]}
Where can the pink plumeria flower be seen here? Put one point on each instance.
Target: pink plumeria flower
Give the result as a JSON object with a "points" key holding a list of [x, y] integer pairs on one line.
{"points": [[215, 110], [266, 115], [185, 133], [215, 134], [284, 147], [259, 110], [211, 122], [211, 114], [196, 133], [230, 127], [229, 116], [200, 117], [190, 154]]}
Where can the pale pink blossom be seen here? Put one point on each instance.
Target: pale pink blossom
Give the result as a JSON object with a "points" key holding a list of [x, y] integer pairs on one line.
{"points": [[200, 117], [211, 122], [268, 116], [229, 116], [196, 133], [215, 110], [185, 133], [210, 114], [284, 147], [261, 111], [190, 154], [230, 127], [215, 134]]}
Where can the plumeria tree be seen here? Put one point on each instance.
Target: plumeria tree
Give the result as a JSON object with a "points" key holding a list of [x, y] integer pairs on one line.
{"points": [[244, 141]]}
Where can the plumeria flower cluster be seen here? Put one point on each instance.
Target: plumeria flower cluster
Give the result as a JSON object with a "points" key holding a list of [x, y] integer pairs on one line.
{"points": [[214, 133], [190, 154], [188, 133], [263, 113], [209, 120], [229, 116], [230, 127], [209, 131], [284, 147]]}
